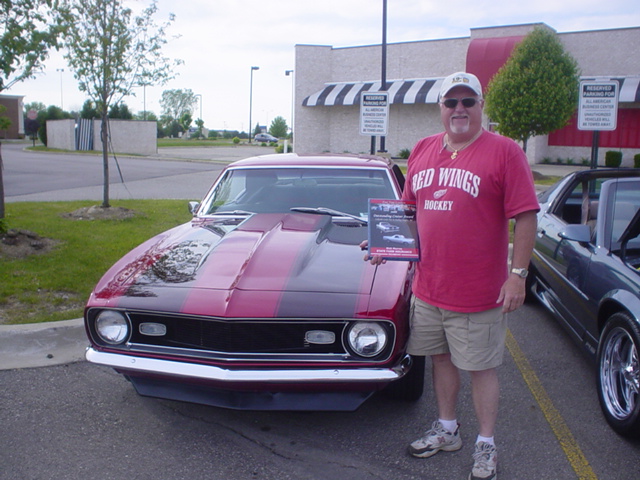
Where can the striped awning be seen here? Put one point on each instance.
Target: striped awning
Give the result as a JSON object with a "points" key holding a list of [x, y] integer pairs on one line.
{"points": [[425, 90], [629, 89], [420, 90]]}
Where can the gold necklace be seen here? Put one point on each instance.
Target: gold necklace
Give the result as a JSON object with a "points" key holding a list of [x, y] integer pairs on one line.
{"points": [[456, 150]]}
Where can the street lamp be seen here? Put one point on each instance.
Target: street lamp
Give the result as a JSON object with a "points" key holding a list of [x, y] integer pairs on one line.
{"points": [[200, 102], [251, 100], [287, 73], [61, 102]]}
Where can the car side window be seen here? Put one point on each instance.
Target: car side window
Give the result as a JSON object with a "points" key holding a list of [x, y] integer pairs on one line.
{"points": [[580, 206]]}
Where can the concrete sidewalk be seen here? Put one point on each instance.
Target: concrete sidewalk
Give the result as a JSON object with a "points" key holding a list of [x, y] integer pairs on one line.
{"points": [[42, 344]]}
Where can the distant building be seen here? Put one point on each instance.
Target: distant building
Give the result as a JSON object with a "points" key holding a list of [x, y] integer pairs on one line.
{"points": [[329, 82], [15, 114]]}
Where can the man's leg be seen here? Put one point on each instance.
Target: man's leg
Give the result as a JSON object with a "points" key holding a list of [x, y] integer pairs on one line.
{"points": [[486, 392], [443, 434], [446, 385]]}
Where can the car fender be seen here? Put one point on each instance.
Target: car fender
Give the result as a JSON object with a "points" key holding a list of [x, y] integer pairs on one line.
{"points": [[617, 300]]}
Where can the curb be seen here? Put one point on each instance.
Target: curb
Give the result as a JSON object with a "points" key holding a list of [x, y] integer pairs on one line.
{"points": [[42, 344]]}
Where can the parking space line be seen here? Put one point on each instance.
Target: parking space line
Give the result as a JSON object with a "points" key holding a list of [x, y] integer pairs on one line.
{"points": [[566, 439]]}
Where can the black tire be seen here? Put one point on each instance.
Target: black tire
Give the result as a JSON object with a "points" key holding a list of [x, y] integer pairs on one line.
{"points": [[410, 387], [529, 296], [618, 374]]}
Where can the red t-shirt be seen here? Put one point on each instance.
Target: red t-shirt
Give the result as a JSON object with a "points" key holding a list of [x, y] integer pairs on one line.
{"points": [[463, 211]]}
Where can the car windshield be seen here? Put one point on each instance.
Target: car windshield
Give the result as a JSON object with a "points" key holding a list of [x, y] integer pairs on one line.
{"points": [[624, 205], [277, 190]]}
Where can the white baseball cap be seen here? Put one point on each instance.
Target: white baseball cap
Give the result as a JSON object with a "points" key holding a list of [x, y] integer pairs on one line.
{"points": [[462, 79]]}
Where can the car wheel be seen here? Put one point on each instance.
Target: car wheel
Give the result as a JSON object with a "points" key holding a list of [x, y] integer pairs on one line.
{"points": [[410, 387], [619, 374]]}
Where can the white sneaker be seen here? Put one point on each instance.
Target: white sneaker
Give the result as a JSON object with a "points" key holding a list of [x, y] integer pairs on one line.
{"points": [[434, 440], [485, 462]]}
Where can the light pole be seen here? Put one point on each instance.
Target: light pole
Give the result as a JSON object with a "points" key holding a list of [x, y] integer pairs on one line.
{"points": [[200, 102], [251, 101], [61, 102], [293, 84]]}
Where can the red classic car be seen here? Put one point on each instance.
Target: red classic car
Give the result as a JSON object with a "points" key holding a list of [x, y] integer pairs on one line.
{"points": [[263, 300]]}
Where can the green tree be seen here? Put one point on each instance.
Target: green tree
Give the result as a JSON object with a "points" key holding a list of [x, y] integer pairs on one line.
{"points": [[27, 33], [88, 110], [175, 103], [5, 124], [200, 125], [536, 91], [110, 52], [185, 121], [279, 127], [120, 111], [37, 106]]}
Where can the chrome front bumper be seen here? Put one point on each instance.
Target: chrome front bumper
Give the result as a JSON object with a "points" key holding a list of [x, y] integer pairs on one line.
{"points": [[194, 371]]}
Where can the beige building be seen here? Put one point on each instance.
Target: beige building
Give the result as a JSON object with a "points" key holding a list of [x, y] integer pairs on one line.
{"points": [[329, 82]]}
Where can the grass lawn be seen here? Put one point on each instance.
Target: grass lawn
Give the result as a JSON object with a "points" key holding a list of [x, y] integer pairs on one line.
{"points": [[55, 285]]}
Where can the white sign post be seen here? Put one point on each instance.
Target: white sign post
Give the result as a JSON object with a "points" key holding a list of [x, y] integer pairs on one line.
{"points": [[374, 113]]}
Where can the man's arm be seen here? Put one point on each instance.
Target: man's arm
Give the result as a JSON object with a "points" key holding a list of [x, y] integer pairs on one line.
{"points": [[512, 292]]}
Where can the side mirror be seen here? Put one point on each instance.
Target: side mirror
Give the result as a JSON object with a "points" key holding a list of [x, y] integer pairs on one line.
{"points": [[576, 233], [193, 207]]}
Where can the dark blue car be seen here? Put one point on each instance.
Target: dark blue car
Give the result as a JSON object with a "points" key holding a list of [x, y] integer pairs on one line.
{"points": [[585, 270]]}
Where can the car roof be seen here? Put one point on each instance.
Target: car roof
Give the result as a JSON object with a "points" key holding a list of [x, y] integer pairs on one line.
{"points": [[325, 160]]}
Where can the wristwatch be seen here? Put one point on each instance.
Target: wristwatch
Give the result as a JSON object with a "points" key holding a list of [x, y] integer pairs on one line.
{"points": [[521, 272]]}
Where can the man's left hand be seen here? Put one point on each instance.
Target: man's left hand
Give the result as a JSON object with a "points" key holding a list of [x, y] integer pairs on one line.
{"points": [[512, 293]]}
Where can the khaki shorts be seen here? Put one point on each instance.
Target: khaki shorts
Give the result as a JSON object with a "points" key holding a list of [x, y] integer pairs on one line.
{"points": [[475, 340]]}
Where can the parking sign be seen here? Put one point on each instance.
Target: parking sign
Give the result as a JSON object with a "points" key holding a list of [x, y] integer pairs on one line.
{"points": [[598, 108], [374, 113]]}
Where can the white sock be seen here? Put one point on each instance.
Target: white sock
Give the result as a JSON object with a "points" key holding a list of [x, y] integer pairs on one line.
{"points": [[488, 440], [449, 425]]}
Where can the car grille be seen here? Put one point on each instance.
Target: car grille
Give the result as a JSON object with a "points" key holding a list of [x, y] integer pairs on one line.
{"points": [[239, 339], [237, 336]]}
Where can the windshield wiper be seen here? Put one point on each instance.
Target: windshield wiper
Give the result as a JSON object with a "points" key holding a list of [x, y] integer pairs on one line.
{"points": [[328, 211]]}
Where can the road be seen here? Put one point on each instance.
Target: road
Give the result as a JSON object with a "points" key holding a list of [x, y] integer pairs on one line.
{"points": [[179, 173], [84, 421]]}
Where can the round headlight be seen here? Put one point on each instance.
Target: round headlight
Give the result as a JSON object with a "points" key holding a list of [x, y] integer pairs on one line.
{"points": [[112, 327], [367, 339]]}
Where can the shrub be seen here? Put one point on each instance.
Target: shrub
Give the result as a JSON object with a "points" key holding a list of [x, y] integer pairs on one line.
{"points": [[613, 159], [404, 153], [236, 140], [280, 148], [636, 160]]}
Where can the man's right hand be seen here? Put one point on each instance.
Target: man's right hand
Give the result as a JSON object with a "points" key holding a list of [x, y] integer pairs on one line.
{"points": [[374, 260]]}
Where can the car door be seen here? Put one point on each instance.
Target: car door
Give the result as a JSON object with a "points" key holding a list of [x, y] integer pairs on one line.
{"points": [[565, 259]]}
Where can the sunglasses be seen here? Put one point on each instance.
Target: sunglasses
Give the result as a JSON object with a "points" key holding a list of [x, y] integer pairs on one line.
{"points": [[466, 102]]}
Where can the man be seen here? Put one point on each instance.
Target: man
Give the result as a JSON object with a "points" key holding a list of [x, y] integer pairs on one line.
{"points": [[467, 184]]}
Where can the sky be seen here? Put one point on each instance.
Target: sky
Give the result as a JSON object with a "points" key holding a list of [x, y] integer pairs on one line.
{"points": [[220, 40]]}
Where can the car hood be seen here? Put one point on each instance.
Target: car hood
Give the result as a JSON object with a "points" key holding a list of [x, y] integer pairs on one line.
{"points": [[264, 265]]}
